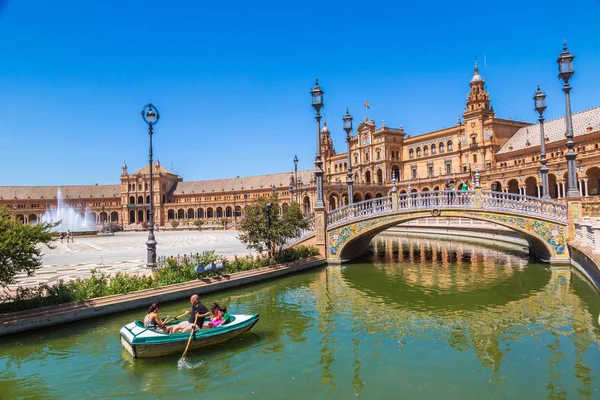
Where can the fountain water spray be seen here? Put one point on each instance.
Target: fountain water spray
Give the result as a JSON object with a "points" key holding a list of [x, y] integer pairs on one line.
{"points": [[70, 218]]}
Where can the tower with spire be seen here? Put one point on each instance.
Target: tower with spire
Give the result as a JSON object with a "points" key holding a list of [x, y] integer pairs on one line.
{"points": [[478, 99], [327, 148]]}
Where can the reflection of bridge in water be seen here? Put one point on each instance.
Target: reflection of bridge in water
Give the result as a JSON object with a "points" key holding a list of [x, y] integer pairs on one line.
{"points": [[471, 300], [345, 233]]}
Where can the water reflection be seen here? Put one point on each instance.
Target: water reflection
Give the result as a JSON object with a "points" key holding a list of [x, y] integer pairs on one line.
{"points": [[424, 318]]}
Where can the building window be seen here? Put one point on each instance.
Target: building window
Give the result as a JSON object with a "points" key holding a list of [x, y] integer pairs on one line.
{"points": [[413, 172], [430, 170], [475, 158], [425, 151], [433, 148], [418, 152], [448, 167], [378, 155], [441, 148], [411, 153], [449, 145]]}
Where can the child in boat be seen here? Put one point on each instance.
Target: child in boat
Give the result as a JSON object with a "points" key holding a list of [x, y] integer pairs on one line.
{"points": [[217, 317], [153, 321]]}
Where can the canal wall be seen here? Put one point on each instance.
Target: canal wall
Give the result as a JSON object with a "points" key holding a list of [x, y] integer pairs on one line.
{"points": [[16, 322], [586, 262]]}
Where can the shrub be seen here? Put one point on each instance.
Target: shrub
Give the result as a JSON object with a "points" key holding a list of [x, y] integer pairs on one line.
{"points": [[176, 270]]}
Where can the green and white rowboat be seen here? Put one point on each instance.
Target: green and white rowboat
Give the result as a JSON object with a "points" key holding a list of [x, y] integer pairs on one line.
{"points": [[143, 342]]}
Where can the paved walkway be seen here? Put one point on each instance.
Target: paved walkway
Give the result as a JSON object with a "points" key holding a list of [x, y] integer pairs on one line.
{"points": [[125, 252]]}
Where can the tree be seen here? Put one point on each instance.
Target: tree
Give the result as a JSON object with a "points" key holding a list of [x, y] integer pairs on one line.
{"points": [[283, 226], [20, 249]]}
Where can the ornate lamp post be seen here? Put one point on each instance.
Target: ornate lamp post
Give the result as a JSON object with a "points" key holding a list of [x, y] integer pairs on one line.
{"points": [[539, 101], [565, 72], [151, 117], [348, 128], [268, 212], [234, 209], [274, 190], [317, 103], [296, 176]]}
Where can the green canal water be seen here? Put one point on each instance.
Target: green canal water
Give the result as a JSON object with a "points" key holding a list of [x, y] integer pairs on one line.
{"points": [[419, 319]]}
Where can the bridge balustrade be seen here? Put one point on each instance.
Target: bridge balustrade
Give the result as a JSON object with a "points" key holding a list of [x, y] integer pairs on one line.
{"points": [[302, 234], [361, 209], [451, 199]]}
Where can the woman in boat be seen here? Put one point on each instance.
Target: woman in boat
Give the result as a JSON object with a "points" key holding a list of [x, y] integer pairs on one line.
{"points": [[217, 316], [153, 321]]}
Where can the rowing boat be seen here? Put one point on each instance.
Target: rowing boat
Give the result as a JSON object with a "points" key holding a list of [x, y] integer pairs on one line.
{"points": [[144, 342]]}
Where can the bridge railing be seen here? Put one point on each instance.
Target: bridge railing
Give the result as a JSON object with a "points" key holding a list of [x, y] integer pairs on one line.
{"points": [[379, 205], [451, 199], [302, 234]]}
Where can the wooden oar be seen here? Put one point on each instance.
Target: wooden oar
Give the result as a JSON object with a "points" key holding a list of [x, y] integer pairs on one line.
{"points": [[189, 341], [177, 317]]}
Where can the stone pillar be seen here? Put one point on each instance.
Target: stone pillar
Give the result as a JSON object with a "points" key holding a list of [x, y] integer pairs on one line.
{"points": [[596, 233], [585, 183], [574, 216], [321, 230]]}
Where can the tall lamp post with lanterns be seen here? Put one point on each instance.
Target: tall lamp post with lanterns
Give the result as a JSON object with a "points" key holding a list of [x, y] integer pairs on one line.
{"points": [[539, 101], [349, 181], [296, 176], [565, 72], [317, 103], [151, 116]]}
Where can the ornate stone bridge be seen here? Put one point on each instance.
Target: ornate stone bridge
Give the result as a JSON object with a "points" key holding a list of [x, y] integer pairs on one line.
{"points": [[346, 232]]}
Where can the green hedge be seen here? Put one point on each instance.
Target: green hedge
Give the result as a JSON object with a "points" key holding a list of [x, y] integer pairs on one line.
{"points": [[101, 284]]}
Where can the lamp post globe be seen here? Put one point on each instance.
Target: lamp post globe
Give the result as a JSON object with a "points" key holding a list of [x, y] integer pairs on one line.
{"points": [[347, 119], [539, 102], [565, 72], [151, 116], [317, 103], [296, 176]]}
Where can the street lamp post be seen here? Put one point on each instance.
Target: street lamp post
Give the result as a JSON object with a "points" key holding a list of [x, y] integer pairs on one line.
{"points": [[274, 190], [268, 211], [234, 210], [317, 103], [539, 101], [151, 117], [349, 181], [565, 72], [296, 176]]}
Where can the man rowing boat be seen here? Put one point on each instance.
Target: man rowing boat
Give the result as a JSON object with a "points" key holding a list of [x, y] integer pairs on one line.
{"points": [[199, 310]]}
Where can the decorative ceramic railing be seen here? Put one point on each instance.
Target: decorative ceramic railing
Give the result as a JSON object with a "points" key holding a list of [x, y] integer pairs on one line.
{"points": [[451, 199], [303, 234]]}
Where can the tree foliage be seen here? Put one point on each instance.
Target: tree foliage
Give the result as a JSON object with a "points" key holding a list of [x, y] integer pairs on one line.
{"points": [[285, 224], [20, 247]]}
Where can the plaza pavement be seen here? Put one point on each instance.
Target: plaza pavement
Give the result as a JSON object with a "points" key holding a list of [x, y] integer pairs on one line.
{"points": [[124, 252]]}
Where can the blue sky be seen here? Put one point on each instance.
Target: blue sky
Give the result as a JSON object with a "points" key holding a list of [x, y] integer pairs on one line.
{"points": [[232, 79]]}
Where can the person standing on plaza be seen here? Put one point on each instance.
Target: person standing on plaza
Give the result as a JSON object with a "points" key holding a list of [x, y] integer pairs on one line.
{"points": [[198, 309], [69, 236]]}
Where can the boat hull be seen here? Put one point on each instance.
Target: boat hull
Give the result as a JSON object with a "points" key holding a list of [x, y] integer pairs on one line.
{"points": [[141, 342]]}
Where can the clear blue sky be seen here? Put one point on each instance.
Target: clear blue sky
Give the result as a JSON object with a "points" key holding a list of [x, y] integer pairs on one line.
{"points": [[232, 79]]}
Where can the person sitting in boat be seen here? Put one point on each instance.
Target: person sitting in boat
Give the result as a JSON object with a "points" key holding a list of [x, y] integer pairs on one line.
{"points": [[225, 315], [197, 309], [153, 321], [217, 316]]}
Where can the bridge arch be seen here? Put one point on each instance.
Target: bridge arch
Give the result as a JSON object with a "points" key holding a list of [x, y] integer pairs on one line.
{"points": [[356, 245], [542, 223]]}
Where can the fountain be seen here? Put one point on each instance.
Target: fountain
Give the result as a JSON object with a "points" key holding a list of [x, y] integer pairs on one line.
{"points": [[70, 219]]}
